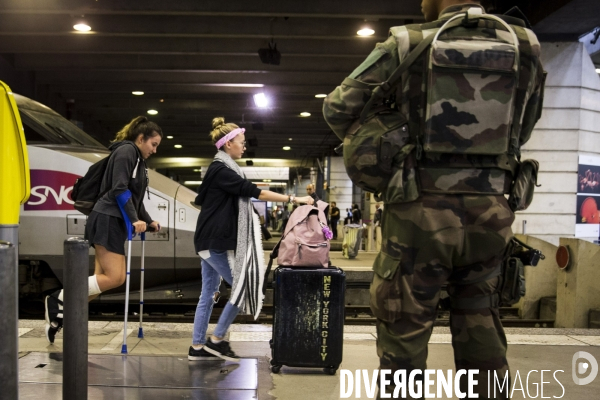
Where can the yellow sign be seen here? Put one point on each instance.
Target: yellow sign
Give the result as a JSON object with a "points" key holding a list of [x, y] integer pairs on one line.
{"points": [[14, 162]]}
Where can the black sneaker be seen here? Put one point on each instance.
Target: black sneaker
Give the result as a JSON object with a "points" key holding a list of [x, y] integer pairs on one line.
{"points": [[54, 316], [221, 350], [201, 355]]}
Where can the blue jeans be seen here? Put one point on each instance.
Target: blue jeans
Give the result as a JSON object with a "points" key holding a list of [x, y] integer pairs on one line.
{"points": [[213, 268]]}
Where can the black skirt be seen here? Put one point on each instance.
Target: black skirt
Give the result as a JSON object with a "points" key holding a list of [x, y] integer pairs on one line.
{"points": [[106, 231]]}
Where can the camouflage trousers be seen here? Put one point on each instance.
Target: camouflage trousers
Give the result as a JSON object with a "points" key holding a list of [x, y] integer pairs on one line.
{"points": [[456, 240]]}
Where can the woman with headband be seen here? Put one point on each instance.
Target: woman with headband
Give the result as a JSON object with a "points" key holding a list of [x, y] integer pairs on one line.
{"points": [[228, 241]]}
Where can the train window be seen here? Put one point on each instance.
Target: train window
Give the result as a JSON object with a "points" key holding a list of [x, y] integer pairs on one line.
{"points": [[32, 136], [57, 129], [34, 133]]}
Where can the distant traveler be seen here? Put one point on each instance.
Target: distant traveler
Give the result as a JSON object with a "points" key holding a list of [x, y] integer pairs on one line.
{"points": [[377, 216], [285, 216], [348, 219], [310, 190], [335, 218], [227, 239], [471, 100], [105, 228], [356, 215], [377, 225]]}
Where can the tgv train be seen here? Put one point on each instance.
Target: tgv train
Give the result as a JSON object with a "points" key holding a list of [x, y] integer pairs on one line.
{"points": [[59, 153]]}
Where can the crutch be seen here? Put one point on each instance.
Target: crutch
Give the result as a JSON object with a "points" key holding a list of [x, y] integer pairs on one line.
{"points": [[141, 330], [143, 239], [121, 201]]}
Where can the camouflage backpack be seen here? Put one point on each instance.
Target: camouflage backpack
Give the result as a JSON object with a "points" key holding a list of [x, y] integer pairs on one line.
{"points": [[471, 90], [471, 84]]}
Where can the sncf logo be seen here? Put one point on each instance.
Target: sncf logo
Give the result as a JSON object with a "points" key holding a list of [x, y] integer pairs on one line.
{"points": [[50, 190]]}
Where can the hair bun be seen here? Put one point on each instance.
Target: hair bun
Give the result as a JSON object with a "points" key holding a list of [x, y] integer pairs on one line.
{"points": [[218, 122]]}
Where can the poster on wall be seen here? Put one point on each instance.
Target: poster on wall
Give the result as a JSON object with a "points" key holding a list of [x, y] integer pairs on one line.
{"points": [[587, 222]]}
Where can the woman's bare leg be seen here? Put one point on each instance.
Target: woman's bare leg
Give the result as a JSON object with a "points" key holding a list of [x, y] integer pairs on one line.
{"points": [[109, 269]]}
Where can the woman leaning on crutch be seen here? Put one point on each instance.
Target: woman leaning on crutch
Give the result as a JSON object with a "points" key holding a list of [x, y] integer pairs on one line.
{"points": [[105, 229]]}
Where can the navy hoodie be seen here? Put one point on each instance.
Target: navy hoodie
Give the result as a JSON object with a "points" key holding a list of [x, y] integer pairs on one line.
{"points": [[218, 196]]}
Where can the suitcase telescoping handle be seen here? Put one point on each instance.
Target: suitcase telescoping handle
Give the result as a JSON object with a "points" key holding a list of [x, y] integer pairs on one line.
{"points": [[274, 254]]}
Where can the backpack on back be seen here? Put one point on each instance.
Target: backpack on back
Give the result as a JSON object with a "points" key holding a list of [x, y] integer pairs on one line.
{"points": [[86, 190], [472, 83], [471, 90]]}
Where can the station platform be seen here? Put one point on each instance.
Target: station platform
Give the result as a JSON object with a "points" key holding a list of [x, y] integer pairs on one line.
{"points": [[156, 366]]}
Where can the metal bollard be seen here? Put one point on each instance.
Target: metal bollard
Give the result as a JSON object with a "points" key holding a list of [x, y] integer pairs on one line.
{"points": [[75, 314], [9, 328]]}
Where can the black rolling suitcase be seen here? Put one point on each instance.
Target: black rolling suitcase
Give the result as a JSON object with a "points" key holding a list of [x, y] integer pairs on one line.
{"points": [[308, 318]]}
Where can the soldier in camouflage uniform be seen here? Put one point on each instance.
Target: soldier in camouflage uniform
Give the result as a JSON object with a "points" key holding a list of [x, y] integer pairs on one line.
{"points": [[457, 227]]}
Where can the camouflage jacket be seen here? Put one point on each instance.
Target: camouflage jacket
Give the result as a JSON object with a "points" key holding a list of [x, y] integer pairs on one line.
{"points": [[446, 172]]}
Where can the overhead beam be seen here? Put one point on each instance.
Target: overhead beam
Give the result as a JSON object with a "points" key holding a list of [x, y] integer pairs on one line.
{"points": [[223, 64], [255, 8], [18, 44]]}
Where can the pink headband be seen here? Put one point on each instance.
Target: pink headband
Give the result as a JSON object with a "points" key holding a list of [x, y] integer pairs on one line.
{"points": [[228, 137]]}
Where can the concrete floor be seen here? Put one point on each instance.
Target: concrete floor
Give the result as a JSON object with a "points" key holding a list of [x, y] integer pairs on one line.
{"points": [[529, 350]]}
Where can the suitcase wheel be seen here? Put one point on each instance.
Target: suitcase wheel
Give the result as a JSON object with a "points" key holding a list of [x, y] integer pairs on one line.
{"points": [[275, 368], [330, 370]]}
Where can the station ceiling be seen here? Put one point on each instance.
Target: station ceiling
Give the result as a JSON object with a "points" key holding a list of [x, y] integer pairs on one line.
{"points": [[195, 60]]}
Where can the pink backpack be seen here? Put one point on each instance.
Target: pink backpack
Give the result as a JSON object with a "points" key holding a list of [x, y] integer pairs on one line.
{"points": [[304, 244]]}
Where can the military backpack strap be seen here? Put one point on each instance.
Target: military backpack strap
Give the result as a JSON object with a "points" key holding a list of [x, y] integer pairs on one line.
{"points": [[354, 83], [522, 85], [383, 90]]}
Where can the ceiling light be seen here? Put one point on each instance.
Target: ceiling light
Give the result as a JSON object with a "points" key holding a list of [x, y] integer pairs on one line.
{"points": [[287, 148], [320, 96], [197, 169], [137, 93], [266, 180], [162, 100], [261, 100], [365, 32], [169, 137], [82, 27], [305, 114], [290, 139], [598, 70], [178, 146], [152, 112], [192, 183]]}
